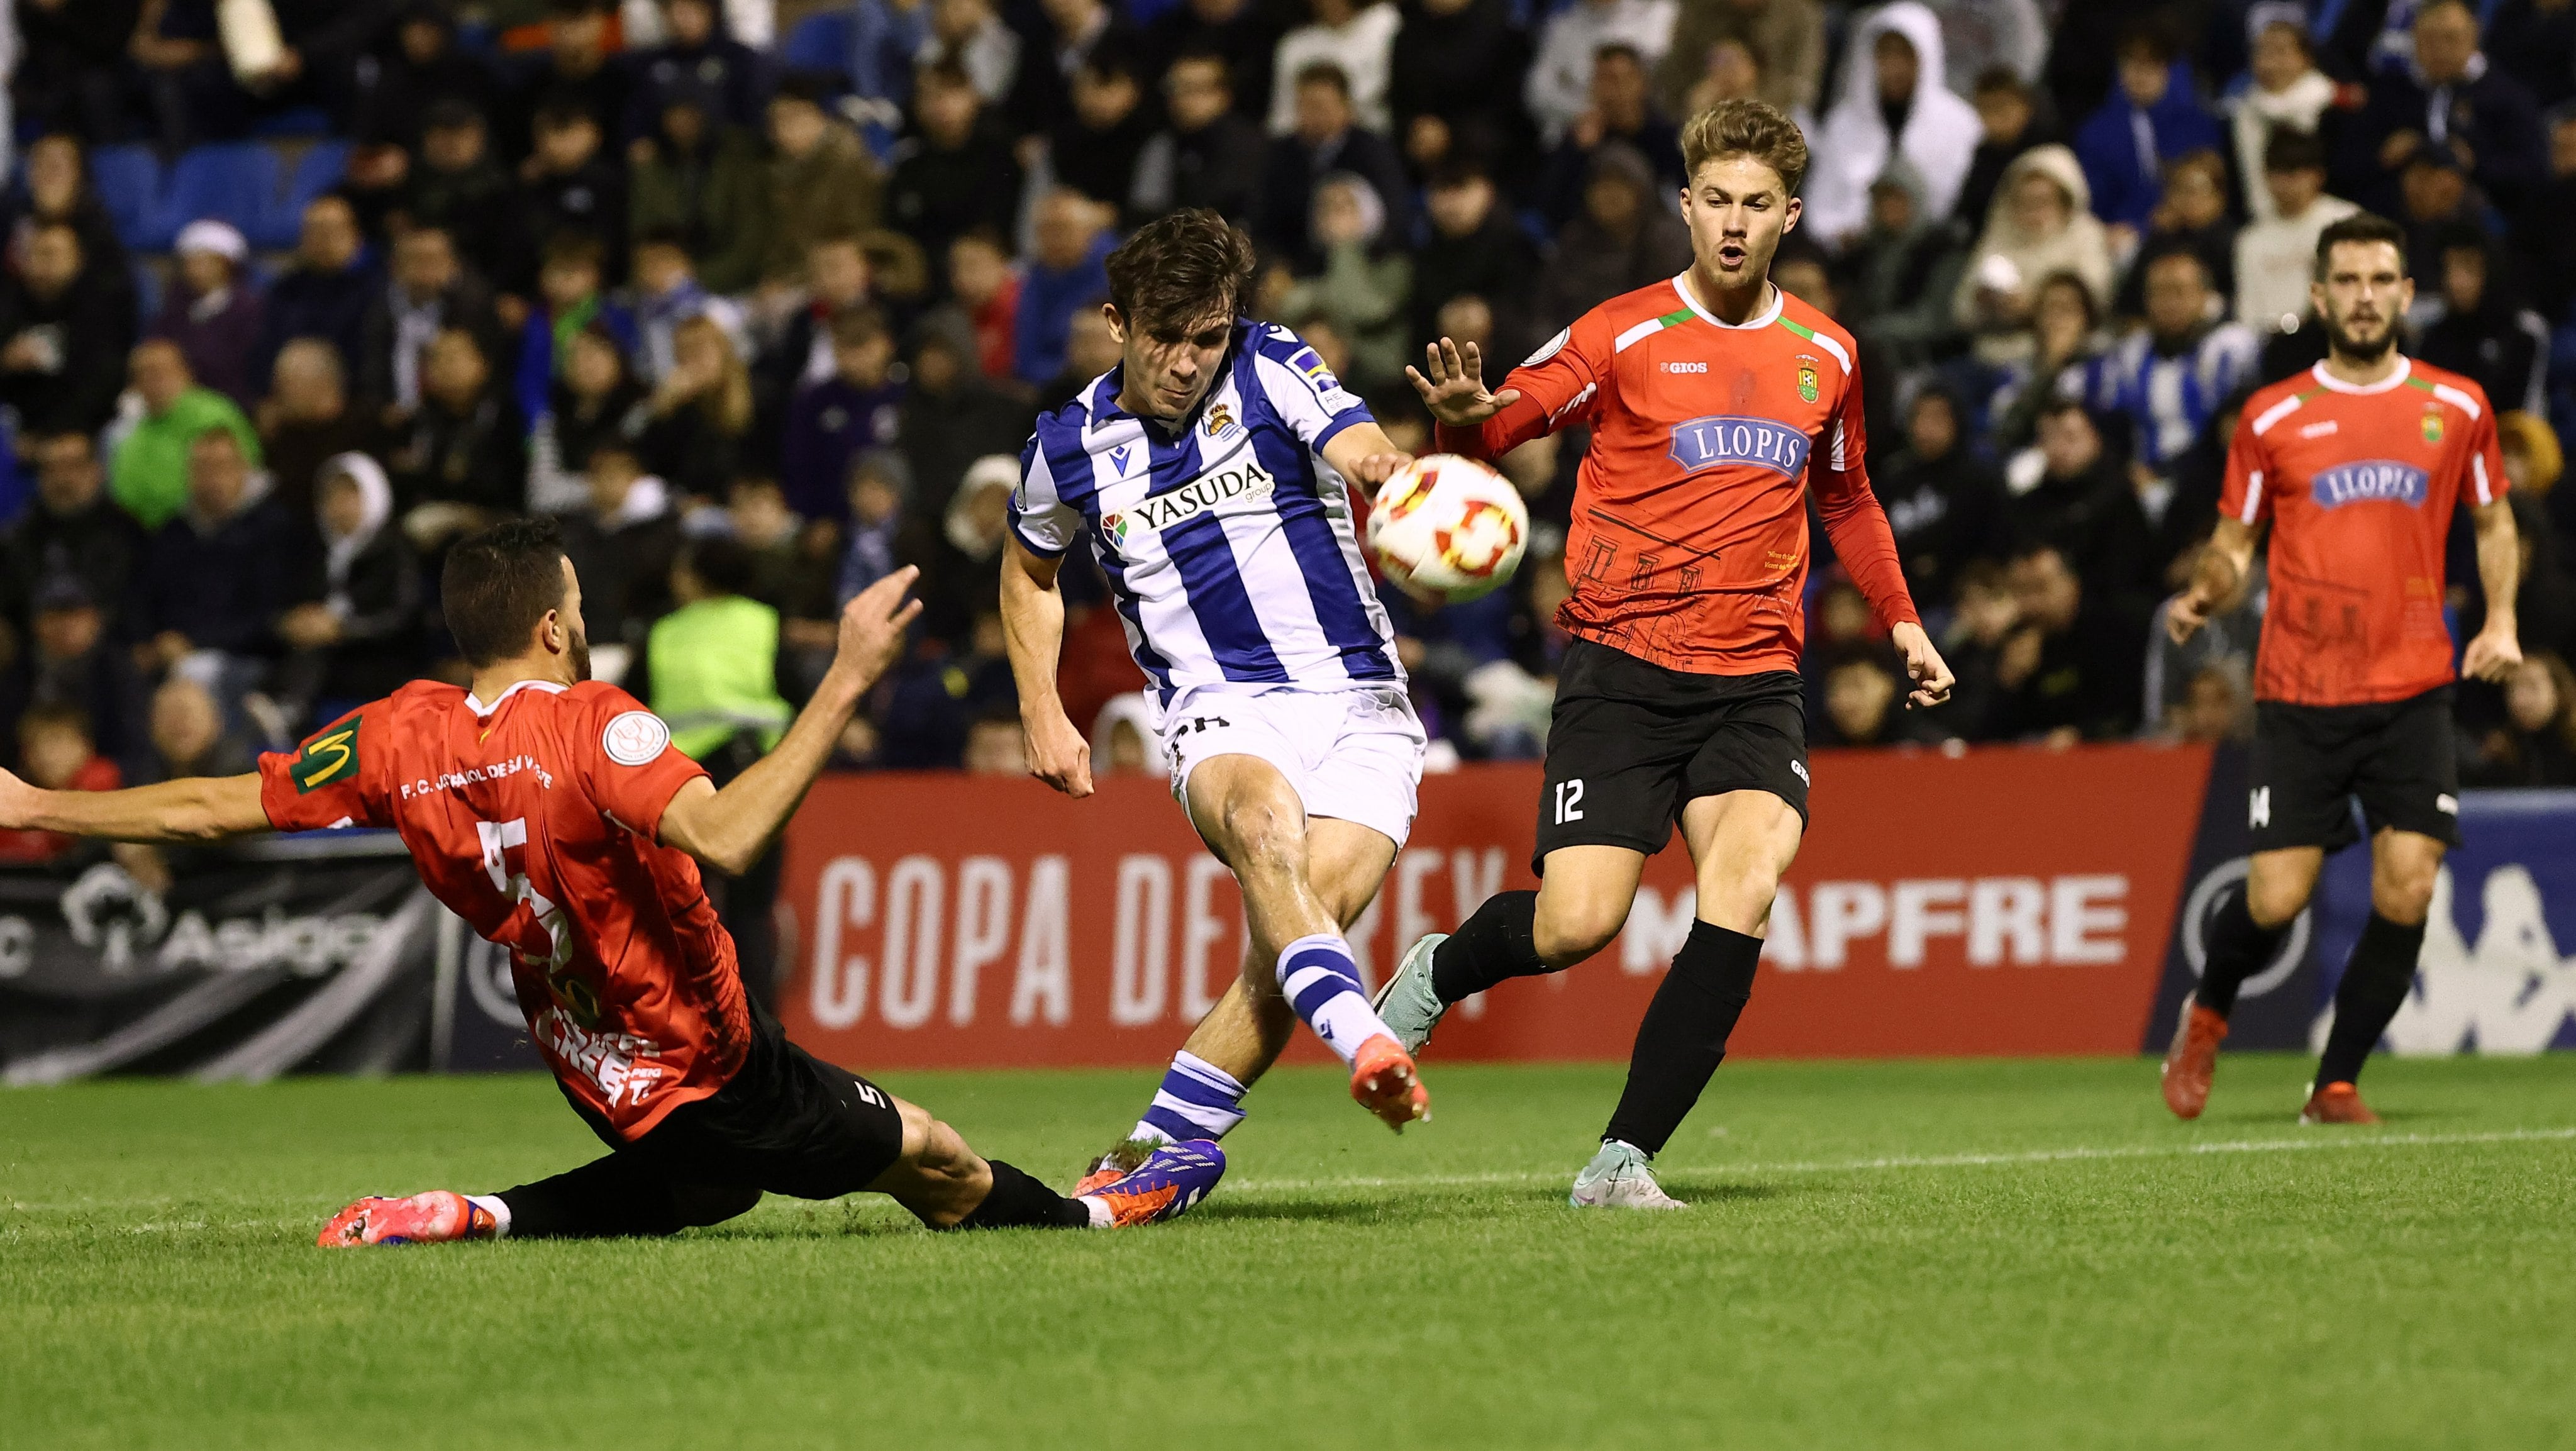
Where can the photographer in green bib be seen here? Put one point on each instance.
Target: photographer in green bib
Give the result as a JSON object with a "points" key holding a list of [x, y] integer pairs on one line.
{"points": [[711, 673]]}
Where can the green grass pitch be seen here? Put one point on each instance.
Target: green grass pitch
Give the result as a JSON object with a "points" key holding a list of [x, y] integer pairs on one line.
{"points": [[1968, 1254]]}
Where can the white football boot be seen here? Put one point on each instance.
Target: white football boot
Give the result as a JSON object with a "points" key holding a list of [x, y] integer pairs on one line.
{"points": [[1621, 1176], [1407, 1004]]}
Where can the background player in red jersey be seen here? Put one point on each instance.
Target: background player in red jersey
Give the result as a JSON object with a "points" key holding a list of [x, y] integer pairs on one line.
{"points": [[552, 813], [2359, 464], [1716, 401]]}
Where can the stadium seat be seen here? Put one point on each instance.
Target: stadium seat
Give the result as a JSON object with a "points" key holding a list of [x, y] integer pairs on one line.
{"points": [[236, 181], [318, 170], [129, 186], [820, 42]]}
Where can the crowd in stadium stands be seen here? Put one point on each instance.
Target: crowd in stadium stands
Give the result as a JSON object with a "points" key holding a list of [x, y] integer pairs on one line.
{"points": [[761, 299]]}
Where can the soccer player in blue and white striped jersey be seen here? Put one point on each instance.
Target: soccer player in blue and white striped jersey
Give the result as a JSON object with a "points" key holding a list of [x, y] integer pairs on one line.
{"points": [[1208, 475]]}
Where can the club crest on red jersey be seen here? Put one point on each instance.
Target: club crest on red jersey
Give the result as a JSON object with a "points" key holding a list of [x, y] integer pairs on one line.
{"points": [[1807, 377], [1703, 443], [2432, 424]]}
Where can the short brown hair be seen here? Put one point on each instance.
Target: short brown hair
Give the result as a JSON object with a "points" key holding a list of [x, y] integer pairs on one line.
{"points": [[497, 584], [1180, 269], [2360, 228], [1747, 128]]}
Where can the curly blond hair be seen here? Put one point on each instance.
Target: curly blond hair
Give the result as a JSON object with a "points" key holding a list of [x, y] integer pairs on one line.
{"points": [[1747, 128]]}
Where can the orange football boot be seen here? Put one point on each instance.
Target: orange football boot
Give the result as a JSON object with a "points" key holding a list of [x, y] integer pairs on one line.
{"points": [[432, 1218], [2192, 1059], [1385, 1083], [2337, 1103]]}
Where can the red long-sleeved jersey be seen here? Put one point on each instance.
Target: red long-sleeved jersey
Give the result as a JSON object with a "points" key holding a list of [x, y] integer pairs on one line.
{"points": [[1689, 539], [535, 818]]}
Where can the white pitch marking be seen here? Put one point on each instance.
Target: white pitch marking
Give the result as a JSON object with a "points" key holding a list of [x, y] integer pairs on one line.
{"points": [[1954, 1161]]}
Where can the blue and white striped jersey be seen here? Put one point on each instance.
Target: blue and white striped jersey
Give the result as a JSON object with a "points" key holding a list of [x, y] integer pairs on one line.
{"points": [[1228, 545], [2169, 398]]}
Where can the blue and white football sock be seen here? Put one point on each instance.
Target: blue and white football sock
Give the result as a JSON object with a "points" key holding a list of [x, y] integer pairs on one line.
{"points": [[1323, 984], [1198, 1100]]}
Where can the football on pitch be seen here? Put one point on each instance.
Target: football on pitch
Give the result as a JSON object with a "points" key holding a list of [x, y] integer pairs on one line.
{"points": [[1447, 529]]}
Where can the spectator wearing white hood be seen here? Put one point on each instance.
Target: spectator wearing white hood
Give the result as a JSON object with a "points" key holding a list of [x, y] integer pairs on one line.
{"points": [[1892, 101], [2041, 223], [358, 638]]}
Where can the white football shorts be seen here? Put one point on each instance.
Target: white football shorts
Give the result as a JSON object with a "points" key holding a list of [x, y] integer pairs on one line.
{"points": [[1354, 755]]}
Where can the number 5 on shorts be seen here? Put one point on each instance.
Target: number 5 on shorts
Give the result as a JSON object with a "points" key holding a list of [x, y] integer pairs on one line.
{"points": [[1569, 801]]}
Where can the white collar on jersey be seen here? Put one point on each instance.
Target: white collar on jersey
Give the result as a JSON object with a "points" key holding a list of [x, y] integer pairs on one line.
{"points": [[1764, 318], [481, 709], [2405, 369]]}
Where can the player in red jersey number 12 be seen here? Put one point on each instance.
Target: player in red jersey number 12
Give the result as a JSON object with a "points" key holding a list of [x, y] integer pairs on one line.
{"points": [[1717, 404]]}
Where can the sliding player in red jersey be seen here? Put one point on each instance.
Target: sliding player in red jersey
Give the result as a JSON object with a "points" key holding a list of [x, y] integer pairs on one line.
{"points": [[552, 813], [1716, 401], [2359, 464]]}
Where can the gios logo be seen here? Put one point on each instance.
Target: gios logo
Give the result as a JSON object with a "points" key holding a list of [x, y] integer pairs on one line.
{"points": [[1158, 512], [1705, 443], [2370, 479]]}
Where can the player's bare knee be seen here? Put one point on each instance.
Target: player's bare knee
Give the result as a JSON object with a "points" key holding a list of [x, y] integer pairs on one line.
{"points": [[918, 1127], [1572, 934], [2403, 892], [944, 1153], [2275, 892], [2274, 904], [1266, 840]]}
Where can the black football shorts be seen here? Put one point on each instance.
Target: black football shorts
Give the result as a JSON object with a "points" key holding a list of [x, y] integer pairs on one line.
{"points": [[787, 1123], [2311, 762], [1632, 743]]}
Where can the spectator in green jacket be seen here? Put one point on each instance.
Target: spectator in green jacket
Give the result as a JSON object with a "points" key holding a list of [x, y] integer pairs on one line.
{"points": [[712, 673], [149, 473]]}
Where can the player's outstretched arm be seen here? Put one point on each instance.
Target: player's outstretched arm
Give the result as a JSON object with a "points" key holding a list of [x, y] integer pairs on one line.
{"points": [[728, 829], [2214, 579], [2498, 646], [193, 809], [1033, 631], [1363, 454]]}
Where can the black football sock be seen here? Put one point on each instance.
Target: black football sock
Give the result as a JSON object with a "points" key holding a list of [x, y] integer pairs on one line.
{"points": [[1020, 1202], [2237, 948], [1489, 947], [1683, 1037], [609, 1198], [2375, 984]]}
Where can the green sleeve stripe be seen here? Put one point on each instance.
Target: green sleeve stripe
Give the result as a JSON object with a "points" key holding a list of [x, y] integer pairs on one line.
{"points": [[1807, 333]]}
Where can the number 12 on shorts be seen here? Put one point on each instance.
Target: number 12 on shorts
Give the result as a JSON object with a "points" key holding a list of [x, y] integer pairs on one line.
{"points": [[1569, 801]]}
